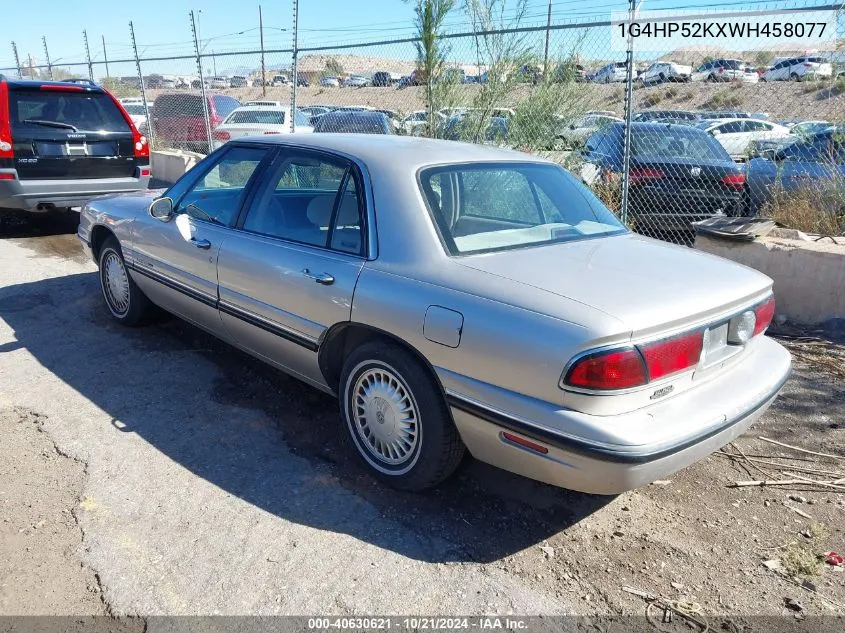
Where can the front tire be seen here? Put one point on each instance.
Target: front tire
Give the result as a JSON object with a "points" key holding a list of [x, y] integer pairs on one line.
{"points": [[124, 299], [396, 417]]}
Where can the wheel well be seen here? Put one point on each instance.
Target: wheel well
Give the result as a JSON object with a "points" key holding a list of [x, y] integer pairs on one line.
{"points": [[343, 338], [99, 234]]}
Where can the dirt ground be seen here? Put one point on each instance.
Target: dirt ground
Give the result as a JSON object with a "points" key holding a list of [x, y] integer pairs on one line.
{"points": [[40, 563], [238, 471], [782, 100]]}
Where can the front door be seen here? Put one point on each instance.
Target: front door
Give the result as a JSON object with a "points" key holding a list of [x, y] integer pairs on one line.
{"points": [[175, 261], [289, 272]]}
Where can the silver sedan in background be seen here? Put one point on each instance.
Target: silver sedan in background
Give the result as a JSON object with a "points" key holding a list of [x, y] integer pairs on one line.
{"points": [[454, 298]]}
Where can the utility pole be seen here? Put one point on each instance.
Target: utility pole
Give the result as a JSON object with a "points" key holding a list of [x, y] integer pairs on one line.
{"points": [[546, 51], [17, 59], [47, 56], [295, 79], [88, 55], [105, 57], [202, 81], [261, 38], [141, 80], [629, 99], [214, 62]]}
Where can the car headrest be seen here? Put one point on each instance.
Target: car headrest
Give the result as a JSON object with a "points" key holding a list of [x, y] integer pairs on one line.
{"points": [[319, 210]]}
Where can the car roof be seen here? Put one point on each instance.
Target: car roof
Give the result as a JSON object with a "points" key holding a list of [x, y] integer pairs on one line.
{"points": [[37, 83], [398, 152]]}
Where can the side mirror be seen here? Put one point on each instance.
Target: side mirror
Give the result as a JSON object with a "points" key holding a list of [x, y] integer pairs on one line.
{"points": [[162, 209]]}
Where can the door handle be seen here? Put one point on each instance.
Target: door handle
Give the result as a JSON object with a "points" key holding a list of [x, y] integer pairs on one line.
{"points": [[203, 244], [323, 278]]}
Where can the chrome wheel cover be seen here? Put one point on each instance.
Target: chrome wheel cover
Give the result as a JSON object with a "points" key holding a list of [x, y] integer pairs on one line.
{"points": [[115, 283], [384, 416]]}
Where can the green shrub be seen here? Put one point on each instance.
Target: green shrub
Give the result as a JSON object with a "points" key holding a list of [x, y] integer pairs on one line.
{"points": [[724, 99]]}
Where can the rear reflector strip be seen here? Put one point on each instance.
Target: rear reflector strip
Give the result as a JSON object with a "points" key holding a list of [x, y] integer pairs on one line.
{"points": [[521, 441], [145, 171], [8, 176]]}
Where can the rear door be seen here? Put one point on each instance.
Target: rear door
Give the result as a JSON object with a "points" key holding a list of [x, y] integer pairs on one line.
{"points": [[289, 273], [69, 132]]}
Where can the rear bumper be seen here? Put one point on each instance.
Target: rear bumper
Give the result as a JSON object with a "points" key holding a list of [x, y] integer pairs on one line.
{"points": [[675, 212], [602, 468], [29, 194]]}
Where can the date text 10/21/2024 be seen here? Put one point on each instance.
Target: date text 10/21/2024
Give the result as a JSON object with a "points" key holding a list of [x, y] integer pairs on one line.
{"points": [[419, 623]]}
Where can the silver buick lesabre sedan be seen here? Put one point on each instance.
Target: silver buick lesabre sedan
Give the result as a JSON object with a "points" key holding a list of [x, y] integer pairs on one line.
{"points": [[454, 297]]}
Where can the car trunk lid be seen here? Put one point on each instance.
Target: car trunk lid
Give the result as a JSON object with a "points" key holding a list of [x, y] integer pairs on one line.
{"points": [[650, 286], [69, 133]]}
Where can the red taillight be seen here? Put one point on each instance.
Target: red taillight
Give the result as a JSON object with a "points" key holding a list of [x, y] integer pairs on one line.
{"points": [[617, 369], [6, 146], [7, 176], [671, 355], [526, 443], [735, 181], [221, 135], [639, 175], [808, 65], [140, 145], [71, 88], [721, 69], [764, 313]]}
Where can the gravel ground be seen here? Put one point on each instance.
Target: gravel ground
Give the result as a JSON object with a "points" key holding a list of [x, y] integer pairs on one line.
{"points": [[199, 481]]}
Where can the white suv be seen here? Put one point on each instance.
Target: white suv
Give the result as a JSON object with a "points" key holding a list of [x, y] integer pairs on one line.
{"points": [[611, 73], [660, 72], [798, 69]]}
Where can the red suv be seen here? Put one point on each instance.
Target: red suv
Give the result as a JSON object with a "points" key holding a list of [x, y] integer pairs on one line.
{"points": [[63, 143], [179, 118]]}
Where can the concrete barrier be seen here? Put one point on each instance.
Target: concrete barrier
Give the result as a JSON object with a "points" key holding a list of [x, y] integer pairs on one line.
{"points": [[169, 165], [809, 276]]}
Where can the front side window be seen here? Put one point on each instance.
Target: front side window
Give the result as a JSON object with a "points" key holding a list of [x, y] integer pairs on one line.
{"points": [[310, 200], [217, 196], [489, 207]]}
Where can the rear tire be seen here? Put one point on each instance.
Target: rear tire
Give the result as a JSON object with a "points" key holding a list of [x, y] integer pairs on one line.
{"points": [[396, 417], [124, 299], [795, 77]]}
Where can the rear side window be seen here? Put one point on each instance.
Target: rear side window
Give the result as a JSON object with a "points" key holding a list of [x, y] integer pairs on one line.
{"points": [[816, 60], [81, 111]]}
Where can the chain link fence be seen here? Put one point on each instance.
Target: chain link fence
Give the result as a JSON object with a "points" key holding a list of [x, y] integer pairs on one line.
{"points": [[663, 137]]}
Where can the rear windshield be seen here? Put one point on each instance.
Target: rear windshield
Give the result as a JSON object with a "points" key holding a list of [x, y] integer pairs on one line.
{"points": [[497, 206], [733, 64], [179, 105], [676, 142], [352, 124], [80, 111], [224, 105], [265, 117]]}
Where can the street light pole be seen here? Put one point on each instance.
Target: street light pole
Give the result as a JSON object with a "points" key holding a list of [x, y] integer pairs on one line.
{"points": [[261, 37], [546, 51]]}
